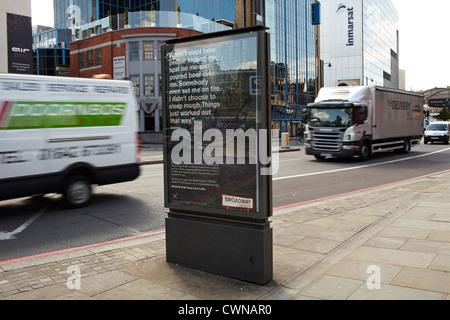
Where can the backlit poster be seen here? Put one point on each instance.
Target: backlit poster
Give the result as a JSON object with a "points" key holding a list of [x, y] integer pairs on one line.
{"points": [[216, 125], [20, 44]]}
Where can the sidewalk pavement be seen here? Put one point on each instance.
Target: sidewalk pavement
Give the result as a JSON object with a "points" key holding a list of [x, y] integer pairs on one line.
{"points": [[391, 242]]}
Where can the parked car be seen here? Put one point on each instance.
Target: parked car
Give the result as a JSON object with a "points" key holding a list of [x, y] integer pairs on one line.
{"points": [[437, 131]]}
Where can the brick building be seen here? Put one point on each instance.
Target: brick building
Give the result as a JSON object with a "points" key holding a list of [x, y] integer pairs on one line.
{"points": [[132, 54], [96, 55]]}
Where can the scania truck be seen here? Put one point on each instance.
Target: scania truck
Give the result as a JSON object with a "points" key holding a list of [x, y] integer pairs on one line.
{"points": [[63, 135], [357, 121]]}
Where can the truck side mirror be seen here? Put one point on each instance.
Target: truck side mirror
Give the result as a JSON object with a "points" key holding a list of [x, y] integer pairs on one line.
{"points": [[362, 115], [305, 116]]}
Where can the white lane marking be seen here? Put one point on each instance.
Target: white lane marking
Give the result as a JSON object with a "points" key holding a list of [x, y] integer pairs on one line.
{"points": [[358, 167], [12, 235]]}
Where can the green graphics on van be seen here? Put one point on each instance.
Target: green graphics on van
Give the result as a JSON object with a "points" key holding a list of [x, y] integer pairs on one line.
{"points": [[41, 114]]}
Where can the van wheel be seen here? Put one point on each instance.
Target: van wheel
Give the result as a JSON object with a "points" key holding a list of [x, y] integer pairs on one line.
{"points": [[77, 191]]}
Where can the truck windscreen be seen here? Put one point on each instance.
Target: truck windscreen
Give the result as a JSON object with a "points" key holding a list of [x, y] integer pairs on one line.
{"points": [[328, 116]]}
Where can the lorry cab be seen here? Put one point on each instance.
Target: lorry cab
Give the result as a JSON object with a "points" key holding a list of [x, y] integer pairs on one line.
{"points": [[333, 125]]}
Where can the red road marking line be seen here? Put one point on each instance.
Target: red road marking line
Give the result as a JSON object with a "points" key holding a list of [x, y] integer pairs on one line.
{"points": [[80, 248]]}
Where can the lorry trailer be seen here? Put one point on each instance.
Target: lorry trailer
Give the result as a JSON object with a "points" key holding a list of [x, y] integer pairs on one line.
{"points": [[355, 122]]}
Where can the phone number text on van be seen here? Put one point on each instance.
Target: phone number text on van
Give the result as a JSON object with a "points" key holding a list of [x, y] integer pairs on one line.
{"points": [[76, 152], [11, 157]]}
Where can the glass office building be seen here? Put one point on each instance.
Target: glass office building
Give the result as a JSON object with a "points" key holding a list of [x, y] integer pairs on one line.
{"points": [[72, 13], [359, 43], [293, 59], [223, 9], [380, 43], [51, 54]]}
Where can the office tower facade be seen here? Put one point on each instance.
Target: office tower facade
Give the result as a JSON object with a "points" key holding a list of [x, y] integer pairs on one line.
{"points": [[51, 53], [359, 43], [293, 59]]}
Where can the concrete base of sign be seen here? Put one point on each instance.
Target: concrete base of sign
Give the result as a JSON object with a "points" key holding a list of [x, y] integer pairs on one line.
{"points": [[230, 248]]}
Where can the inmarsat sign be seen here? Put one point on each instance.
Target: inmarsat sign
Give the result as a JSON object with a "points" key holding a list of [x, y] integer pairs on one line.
{"points": [[217, 137], [348, 26]]}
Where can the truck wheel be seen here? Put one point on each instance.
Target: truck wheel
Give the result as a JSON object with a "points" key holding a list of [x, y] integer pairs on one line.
{"points": [[77, 191], [406, 146], [364, 151]]}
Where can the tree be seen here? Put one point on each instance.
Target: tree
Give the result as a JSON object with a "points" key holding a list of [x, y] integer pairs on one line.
{"points": [[178, 16], [444, 115]]}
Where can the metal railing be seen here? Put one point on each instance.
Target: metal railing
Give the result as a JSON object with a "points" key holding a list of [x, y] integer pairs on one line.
{"points": [[148, 19]]}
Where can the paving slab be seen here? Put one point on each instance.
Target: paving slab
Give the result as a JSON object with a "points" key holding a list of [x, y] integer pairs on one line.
{"points": [[141, 289], [329, 287], [429, 246], [441, 263], [391, 256], [102, 282], [390, 292], [360, 270], [425, 279]]}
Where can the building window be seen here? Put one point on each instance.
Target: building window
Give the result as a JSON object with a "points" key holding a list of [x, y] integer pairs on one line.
{"points": [[148, 51], [98, 57], [149, 85], [160, 46], [81, 60], [136, 85], [134, 51], [90, 58], [160, 85]]}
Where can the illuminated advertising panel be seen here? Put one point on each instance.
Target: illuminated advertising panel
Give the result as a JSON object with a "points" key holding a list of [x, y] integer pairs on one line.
{"points": [[20, 44], [217, 137]]}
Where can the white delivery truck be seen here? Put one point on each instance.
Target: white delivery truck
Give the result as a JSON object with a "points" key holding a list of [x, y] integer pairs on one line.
{"points": [[362, 120], [62, 135]]}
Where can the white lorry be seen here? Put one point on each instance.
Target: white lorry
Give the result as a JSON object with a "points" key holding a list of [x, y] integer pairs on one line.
{"points": [[62, 135], [362, 120]]}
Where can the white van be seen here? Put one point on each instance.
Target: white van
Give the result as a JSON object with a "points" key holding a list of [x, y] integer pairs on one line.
{"points": [[62, 135], [438, 131]]}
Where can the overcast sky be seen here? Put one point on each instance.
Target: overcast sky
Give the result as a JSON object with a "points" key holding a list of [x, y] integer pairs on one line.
{"points": [[424, 39], [424, 42]]}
